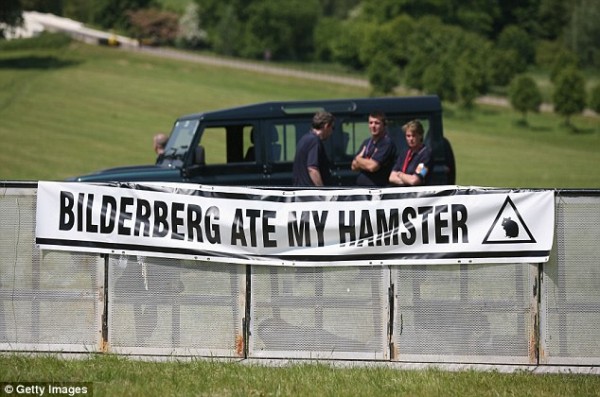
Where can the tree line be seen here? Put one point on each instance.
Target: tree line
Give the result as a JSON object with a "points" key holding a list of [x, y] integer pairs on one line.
{"points": [[457, 49]]}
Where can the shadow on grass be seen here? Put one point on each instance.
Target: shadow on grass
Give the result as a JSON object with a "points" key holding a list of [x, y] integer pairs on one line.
{"points": [[458, 114], [521, 123], [524, 124], [573, 129], [36, 62]]}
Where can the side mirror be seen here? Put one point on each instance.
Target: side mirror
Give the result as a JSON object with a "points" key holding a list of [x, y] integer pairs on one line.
{"points": [[192, 170]]}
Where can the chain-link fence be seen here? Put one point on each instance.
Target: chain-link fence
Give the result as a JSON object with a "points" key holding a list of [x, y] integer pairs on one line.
{"points": [[545, 314]]}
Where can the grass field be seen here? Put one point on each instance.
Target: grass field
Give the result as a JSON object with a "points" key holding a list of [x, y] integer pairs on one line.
{"points": [[114, 376], [80, 108], [68, 110]]}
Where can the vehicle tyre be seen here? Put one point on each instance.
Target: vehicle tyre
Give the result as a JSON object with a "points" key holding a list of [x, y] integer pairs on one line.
{"points": [[450, 162]]}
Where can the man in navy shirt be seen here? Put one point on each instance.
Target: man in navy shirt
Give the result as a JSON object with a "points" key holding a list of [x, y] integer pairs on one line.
{"points": [[414, 166], [376, 154], [311, 164]]}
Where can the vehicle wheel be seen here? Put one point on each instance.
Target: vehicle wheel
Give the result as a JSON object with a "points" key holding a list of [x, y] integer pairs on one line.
{"points": [[450, 162]]}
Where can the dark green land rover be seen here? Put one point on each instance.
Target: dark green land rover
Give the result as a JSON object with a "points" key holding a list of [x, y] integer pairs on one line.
{"points": [[254, 145]]}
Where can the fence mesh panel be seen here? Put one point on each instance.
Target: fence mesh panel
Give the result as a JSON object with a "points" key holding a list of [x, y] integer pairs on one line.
{"points": [[464, 313], [172, 306], [319, 312], [571, 304], [48, 300]]}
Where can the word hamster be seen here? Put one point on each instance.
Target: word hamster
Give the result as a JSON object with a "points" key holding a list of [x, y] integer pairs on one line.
{"points": [[137, 217]]}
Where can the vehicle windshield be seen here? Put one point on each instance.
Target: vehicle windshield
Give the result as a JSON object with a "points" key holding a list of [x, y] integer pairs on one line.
{"points": [[180, 140]]}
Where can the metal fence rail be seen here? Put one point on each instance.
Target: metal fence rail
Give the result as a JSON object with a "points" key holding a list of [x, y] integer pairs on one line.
{"points": [[499, 314]]}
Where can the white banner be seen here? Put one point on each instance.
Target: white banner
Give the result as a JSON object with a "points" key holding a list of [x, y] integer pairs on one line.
{"points": [[391, 226]]}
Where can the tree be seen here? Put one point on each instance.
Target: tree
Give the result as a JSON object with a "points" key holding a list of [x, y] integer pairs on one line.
{"points": [[415, 69], [154, 26], [284, 32], [583, 32], [190, 33], [547, 53], [477, 16], [471, 76], [564, 59], [227, 33], [49, 6], [553, 16], [438, 79], [79, 10], [112, 14], [338, 9], [345, 47], [383, 75], [325, 31], [518, 13], [503, 65], [428, 42], [467, 82], [595, 99], [569, 94], [10, 14], [524, 95], [391, 38], [516, 39]]}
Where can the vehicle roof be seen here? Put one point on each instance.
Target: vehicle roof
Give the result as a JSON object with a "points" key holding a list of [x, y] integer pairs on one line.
{"points": [[416, 104]]}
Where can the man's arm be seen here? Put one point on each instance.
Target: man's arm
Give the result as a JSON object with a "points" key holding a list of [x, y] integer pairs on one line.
{"points": [[362, 163], [402, 179], [394, 178], [315, 176]]}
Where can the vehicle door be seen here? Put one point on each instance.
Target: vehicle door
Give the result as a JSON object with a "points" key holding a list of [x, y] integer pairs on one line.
{"points": [[282, 137], [225, 154], [285, 136]]}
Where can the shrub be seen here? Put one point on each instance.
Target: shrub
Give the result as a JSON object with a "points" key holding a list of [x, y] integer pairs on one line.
{"points": [[569, 94], [524, 95], [153, 26], [438, 79], [517, 39], [383, 75]]}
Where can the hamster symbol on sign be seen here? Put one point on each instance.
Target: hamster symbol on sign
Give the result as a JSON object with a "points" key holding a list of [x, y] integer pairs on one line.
{"points": [[511, 228]]}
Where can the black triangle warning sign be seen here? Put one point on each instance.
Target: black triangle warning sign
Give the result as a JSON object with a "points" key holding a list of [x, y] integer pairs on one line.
{"points": [[508, 227]]}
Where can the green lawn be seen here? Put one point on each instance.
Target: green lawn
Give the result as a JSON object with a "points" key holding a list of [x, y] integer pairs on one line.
{"points": [[73, 109], [77, 108], [82, 108], [493, 149], [114, 376]]}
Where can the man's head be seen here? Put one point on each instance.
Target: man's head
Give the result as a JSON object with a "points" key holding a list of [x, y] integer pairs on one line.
{"points": [[414, 133], [160, 141], [323, 122], [377, 124]]}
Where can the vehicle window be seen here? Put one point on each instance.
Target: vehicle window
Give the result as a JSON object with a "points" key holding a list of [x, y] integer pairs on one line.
{"points": [[226, 144], [249, 148], [284, 137], [181, 136], [283, 142], [355, 132], [215, 145]]}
